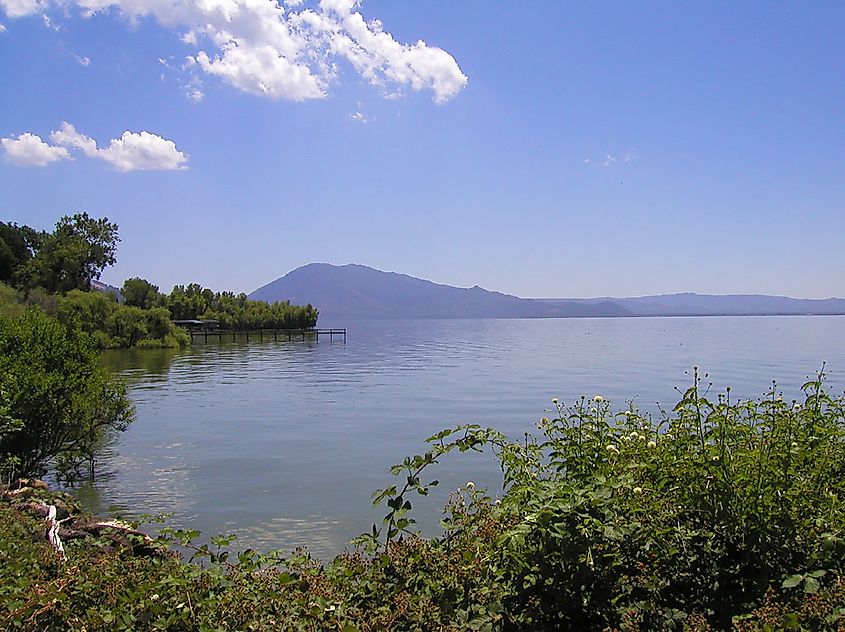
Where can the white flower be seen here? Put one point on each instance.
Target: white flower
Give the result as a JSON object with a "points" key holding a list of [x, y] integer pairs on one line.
{"points": [[652, 444], [612, 448], [544, 420], [715, 458], [554, 400], [796, 407], [470, 485], [638, 490], [634, 436], [794, 445], [598, 399]]}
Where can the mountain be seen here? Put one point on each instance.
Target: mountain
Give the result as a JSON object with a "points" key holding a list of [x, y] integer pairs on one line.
{"points": [[689, 304], [356, 291]]}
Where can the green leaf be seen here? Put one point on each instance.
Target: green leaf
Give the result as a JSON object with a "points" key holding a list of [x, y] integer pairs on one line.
{"points": [[792, 581], [811, 585]]}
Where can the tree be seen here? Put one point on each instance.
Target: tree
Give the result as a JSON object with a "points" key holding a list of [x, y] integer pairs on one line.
{"points": [[18, 245], [63, 401], [141, 293], [74, 254]]}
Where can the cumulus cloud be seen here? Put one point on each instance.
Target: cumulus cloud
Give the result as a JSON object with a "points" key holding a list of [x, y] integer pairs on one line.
{"points": [[20, 8], [29, 150], [131, 152], [2, 28], [285, 50]]}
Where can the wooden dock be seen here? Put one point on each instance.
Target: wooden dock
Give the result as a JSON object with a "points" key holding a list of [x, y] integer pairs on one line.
{"points": [[269, 334]]}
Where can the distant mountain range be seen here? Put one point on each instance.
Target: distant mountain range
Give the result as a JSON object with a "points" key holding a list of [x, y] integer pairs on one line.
{"points": [[355, 291]]}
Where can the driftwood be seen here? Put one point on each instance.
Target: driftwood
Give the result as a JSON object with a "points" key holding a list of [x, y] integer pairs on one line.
{"points": [[64, 522], [53, 532]]}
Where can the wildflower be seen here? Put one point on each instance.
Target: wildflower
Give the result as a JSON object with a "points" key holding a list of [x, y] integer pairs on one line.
{"points": [[498, 502], [598, 399], [544, 420], [470, 485], [638, 490], [794, 445], [612, 448], [634, 436], [554, 400], [652, 444], [715, 458], [594, 410], [796, 407]]}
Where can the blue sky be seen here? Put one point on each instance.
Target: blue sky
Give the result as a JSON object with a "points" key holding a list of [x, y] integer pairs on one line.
{"points": [[540, 149]]}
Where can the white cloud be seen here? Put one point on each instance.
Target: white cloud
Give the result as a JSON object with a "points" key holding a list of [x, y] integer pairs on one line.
{"points": [[67, 136], [29, 150], [610, 160], [143, 150], [20, 8], [359, 117], [2, 28], [285, 50], [82, 61], [131, 152], [375, 53], [263, 71]]}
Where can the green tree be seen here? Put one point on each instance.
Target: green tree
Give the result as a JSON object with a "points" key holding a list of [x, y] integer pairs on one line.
{"points": [[18, 245], [141, 293], [74, 254], [53, 384], [127, 325]]}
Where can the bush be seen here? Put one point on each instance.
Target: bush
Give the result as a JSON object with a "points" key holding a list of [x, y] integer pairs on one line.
{"points": [[54, 386]]}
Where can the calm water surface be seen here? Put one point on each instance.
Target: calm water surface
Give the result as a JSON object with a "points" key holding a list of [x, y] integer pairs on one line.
{"points": [[282, 443]]}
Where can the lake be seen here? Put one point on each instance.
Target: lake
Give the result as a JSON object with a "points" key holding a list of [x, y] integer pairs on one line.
{"points": [[282, 443]]}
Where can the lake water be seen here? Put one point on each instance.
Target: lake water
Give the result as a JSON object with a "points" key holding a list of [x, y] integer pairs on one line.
{"points": [[283, 442]]}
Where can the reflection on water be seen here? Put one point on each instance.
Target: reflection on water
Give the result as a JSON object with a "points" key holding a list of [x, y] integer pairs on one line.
{"points": [[283, 442]]}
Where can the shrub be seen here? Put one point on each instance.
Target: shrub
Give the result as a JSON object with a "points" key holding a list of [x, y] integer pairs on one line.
{"points": [[54, 386]]}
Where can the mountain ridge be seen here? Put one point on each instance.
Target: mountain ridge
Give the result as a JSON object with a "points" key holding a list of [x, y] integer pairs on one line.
{"points": [[356, 291]]}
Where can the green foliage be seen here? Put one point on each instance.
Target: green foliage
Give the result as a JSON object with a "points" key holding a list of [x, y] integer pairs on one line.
{"points": [[18, 245], [73, 255], [719, 515], [619, 521], [53, 384], [141, 293], [11, 303], [236, 311], [112, 325]]}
